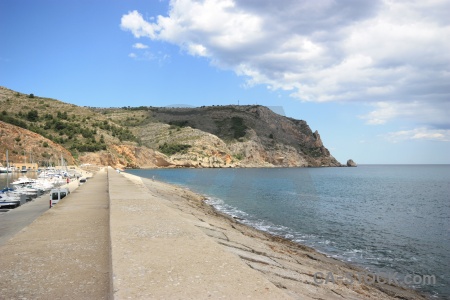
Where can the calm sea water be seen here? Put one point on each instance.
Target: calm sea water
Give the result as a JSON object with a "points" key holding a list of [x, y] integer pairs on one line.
{"points": [[10, 177], [385, 218]]}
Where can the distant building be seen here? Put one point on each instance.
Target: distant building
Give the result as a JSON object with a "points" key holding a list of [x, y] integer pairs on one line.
{"points": [[24, 166]]}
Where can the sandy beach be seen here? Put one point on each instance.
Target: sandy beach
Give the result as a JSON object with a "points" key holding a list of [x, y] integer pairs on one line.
{"points": [[299, 271]]}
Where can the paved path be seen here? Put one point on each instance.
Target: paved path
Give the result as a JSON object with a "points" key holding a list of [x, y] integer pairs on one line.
{"points": [[64, 254], [113, 238], [159, 253]]}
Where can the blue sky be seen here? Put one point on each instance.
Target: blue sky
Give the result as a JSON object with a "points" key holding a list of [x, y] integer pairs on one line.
{"points": [[373, 77]]}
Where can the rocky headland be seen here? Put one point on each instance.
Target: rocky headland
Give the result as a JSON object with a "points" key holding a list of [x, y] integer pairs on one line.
{"points": [[153, 137]]}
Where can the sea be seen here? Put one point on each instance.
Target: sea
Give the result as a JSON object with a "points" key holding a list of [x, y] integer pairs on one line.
{"points": [[7, 178], [391, 220]]}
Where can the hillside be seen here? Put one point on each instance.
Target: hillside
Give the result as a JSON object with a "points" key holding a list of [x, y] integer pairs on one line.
{"points": [[216, 136], [254, 133], [26, 146], [87, 136], [225, 136]]}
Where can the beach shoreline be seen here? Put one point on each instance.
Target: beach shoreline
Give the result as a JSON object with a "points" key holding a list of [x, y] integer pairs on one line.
{"points": [[300, 271]]}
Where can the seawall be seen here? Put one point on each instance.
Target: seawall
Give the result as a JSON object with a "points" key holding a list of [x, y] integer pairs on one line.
{"points": [[123, 237], [159, 253], [111, 239]]}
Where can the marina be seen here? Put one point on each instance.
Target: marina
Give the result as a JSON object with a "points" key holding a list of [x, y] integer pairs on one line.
{"points": [[18, 188], [23, 182]]}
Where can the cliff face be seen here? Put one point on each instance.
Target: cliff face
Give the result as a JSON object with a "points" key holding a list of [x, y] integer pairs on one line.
{"points": [[148, 137], [245, 136], [126, 156]]}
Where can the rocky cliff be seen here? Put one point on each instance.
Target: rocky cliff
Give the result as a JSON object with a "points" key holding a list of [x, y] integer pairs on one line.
{"points": [[148, 137], [230, 136]]}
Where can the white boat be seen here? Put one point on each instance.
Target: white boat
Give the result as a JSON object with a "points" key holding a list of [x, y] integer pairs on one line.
{"points": [[43, 184], [20, 194], [7, 201], [6, 169], [23, 180], [13, 199]]}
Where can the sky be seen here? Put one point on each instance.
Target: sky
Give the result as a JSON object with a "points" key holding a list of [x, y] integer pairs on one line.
{"points": [[373, 77]]}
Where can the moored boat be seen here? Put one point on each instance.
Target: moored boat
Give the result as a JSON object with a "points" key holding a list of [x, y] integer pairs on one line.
{"points": [[6, 169]]}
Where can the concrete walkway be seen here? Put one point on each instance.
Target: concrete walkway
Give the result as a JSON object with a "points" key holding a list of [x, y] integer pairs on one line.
{"points": [[159, 254], [123, 245], [64, 254]]}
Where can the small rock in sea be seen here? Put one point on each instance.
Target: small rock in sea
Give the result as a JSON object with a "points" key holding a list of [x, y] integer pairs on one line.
{"points": [[351, 163]]}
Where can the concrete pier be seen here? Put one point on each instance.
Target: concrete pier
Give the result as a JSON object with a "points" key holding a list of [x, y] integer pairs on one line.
{"points": [[123, 237], [157, 253], [113, 239]]}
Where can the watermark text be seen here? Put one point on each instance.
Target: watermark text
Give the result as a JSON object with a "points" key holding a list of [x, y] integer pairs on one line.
{"points": [[372, 278]]}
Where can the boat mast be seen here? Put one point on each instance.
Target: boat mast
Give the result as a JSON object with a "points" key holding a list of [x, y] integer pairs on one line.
{"points": [[7, 170]]}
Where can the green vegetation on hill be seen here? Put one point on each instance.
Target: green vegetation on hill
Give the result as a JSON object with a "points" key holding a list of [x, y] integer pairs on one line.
{"points": [[76, 128], [58, 129], [170, 149], [238, 127]]}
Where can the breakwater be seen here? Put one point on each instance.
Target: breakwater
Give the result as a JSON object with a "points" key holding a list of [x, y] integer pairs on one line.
{"points": [[119, 236]]}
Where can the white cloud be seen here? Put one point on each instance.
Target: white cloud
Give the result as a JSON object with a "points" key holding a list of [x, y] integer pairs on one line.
{"points": [[148, 56], [384, 112], [390, 54], [140, 46], [135, 23], [420, 112], [441, 135]]}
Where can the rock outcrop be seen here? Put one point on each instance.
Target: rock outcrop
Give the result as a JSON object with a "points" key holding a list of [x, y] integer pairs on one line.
{"points": [[127, 156], [244, 136], [351, 163]]}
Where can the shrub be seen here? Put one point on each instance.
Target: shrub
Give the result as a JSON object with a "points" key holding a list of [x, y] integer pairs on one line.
{"points": [[170, 149], [175, 124], [238, 156], [238, 127], [13, 121], [33, 116], [62, 116]]}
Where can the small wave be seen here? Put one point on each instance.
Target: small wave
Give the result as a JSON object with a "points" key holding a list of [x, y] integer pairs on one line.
{"points": [[264, 225], [221, 206]]}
